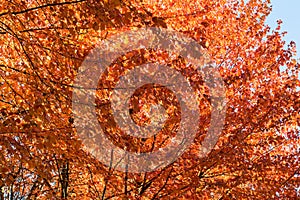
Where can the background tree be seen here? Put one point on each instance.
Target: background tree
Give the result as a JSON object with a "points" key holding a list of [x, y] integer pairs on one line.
{"points": [[43, 43]]}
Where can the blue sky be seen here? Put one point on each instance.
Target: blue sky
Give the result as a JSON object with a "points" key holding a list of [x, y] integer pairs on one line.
{"points": [[289, 12]]}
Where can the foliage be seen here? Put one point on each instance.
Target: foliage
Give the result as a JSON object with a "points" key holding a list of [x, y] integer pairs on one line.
{"points": [[44, 42]]}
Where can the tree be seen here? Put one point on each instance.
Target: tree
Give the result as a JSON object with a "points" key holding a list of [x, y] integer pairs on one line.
{"points": [[43, 43]]}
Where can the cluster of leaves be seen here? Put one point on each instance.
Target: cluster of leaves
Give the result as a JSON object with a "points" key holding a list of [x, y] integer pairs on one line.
{"points": [[44, 42]]}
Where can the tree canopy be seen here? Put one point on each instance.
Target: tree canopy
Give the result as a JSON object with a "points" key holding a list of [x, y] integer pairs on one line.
{"points": [[43, 44]]}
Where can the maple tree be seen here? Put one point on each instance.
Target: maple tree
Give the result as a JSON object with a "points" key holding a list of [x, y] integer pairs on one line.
{"points": [[44, 42]]}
